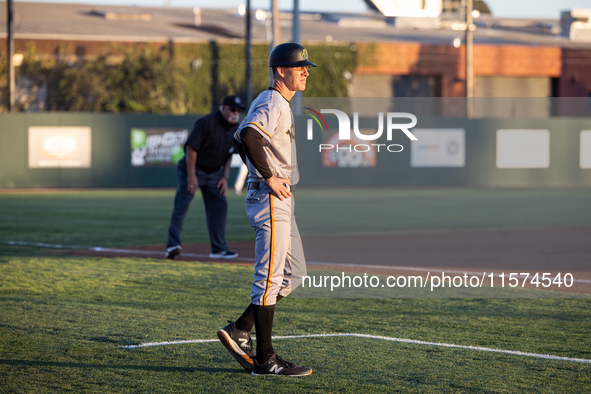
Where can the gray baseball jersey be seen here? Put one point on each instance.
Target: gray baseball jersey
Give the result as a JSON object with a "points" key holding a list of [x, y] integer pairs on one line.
{"points": [[270, 114]]}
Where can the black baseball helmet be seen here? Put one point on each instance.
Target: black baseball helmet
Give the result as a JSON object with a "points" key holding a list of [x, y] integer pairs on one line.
{"points": [[289, 54]]}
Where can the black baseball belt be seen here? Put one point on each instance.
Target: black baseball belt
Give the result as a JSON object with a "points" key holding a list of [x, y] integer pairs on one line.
{"points": [[257, 185]]}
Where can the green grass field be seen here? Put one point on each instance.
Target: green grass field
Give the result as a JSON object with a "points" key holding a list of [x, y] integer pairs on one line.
{"points": [[141, 217], [64, 319]]}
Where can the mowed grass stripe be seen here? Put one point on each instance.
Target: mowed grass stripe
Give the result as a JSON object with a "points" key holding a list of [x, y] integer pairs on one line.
{"points": [[123, 218]]}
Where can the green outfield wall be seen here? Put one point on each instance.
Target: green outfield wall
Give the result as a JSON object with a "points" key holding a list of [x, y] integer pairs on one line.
{"points": [[567, 162]]}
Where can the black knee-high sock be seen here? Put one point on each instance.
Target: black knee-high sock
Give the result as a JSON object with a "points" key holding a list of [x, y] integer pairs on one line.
{"points": [[263, 321], [246, 321]]}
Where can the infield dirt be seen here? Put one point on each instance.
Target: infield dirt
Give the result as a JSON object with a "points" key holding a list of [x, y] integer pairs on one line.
{"points": [[553, 250]]}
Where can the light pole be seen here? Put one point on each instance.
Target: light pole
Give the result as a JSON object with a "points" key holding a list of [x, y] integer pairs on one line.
{"points": [[10, 53], [470, 27], [297, 99], [276, 21], [296, 21], [248, 55]]}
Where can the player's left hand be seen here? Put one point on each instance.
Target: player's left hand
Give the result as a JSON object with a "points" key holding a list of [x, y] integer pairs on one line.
{"points": [[223, 185]]}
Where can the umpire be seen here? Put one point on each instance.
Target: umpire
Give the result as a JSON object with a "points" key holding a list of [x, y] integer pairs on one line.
{"points": [[206, 164]]}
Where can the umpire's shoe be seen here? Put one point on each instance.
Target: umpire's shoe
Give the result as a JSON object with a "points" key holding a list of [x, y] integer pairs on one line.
{"points": [[275, 365], [238, 343], [173, 251]]}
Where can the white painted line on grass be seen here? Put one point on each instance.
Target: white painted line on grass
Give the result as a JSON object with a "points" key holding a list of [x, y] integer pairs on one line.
{"points": [[38, 244], [108, 250], [150, 344], [392, 339], [147, 252]]}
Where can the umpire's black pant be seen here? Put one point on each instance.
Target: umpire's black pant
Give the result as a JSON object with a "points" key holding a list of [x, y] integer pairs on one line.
{"points": [[216, 208]]}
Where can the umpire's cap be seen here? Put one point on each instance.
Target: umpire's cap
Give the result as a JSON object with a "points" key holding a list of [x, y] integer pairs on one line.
{"points": [[233, 101], [289, 54]]}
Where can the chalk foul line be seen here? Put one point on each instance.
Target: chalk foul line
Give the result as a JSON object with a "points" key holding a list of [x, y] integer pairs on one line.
{"points": [[391, 339], [108, 250]]}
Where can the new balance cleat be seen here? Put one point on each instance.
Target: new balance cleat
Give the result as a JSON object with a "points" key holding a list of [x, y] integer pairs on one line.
{"points": [[238, 343], [275, 365]]}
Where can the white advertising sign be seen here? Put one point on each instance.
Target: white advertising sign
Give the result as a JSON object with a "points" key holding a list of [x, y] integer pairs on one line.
{"points": [[58, 147], [438, 148], [585, 158], [523, 149]]}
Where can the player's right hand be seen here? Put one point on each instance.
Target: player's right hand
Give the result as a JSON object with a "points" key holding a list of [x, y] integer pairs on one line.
{"points": [[192, 183], [276, 184]]}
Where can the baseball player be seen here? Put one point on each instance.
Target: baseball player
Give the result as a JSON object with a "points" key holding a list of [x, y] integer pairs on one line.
{"points": [[265, 140]]}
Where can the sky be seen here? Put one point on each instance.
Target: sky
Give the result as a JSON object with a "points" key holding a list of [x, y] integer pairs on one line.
{"points": [[504, 8]]}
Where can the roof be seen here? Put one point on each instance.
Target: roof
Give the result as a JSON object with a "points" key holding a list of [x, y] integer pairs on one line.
{"points": [[90, 22]]}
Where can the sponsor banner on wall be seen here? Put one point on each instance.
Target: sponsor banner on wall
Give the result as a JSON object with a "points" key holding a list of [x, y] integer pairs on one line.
{"points": [[157, 146], [59, 147], [348, 153], [438, 148], [523, 148], [585, 156]]}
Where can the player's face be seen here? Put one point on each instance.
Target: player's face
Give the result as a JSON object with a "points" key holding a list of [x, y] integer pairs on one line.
{"points": [[295, 77], [230, 114]]}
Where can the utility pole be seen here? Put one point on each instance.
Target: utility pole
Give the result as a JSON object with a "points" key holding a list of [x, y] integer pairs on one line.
{"points": [[276, 21], [296, 21], [296, 106], [273, 31], [248, 55], [470, 27], [10, 53]]}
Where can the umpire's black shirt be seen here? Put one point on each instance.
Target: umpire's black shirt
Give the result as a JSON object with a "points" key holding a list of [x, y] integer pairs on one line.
{"points": [[213, 139]]}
